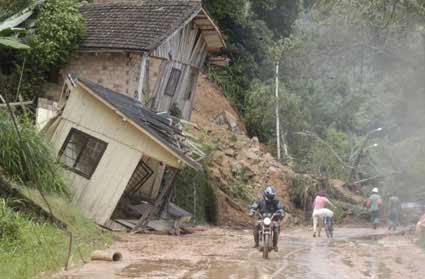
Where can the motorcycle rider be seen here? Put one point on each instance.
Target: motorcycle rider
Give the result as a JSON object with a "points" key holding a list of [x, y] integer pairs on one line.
{"points": [[268, 204]]}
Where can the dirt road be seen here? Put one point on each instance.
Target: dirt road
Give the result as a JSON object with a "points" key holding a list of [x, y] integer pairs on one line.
{"points": [[223, 253]]}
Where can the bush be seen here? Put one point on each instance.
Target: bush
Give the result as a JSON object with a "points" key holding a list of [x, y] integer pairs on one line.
{"points": [[28, 158], [9, 227], [206, 203], [59, 27]]}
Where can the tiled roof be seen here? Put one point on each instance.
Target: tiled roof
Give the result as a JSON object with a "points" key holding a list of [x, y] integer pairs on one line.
{"points": [[156, 125], [134, 25]]}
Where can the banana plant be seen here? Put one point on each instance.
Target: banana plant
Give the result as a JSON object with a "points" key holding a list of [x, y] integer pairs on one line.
{"points": [[9, 31], [9, 39]]}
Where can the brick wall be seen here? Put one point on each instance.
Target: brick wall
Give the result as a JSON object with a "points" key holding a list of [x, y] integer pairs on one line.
{"points": [[117, 71], [154, 64]]}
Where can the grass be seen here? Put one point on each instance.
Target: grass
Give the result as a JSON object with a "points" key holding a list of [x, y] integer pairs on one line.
{"points": [[26, 157], [29, 248]]}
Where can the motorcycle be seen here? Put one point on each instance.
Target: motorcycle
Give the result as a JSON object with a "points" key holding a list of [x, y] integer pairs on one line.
{"points": [[266, 232]]}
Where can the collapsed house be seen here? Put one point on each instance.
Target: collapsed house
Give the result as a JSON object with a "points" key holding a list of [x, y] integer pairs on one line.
{"points": [[151, 50], [139, 62], [112, 149]]}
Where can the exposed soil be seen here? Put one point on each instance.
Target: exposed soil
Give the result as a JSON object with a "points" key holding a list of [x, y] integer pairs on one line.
{"points": [[225, 253], [210, 102], [238, 167]]}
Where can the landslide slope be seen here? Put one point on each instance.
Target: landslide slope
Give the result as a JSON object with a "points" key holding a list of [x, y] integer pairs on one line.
{"points": [[238, 166]]}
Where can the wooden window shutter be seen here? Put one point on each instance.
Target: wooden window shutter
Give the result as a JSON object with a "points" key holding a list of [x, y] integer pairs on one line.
{"points": [[173, 81]]}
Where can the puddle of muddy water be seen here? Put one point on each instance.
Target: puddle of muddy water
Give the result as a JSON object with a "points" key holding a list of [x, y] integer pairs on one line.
{"points": [[298, 257], [157, 268]]}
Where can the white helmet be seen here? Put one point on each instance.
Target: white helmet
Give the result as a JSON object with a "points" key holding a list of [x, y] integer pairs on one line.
{"points": [[375, 190]]}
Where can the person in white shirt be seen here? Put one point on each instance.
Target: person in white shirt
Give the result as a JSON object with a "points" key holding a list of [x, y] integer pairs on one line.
{"points": [[320, 215], [319, 202]]}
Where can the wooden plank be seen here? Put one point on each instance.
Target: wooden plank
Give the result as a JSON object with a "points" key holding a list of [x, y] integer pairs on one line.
{"points": [[141, 208], [113, 226], [218, 33], [159, 225], [158, 203], [179, 213], [17, 104], [130, 224]]}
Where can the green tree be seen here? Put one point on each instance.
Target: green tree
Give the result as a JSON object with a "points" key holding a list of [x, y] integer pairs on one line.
{"points": [[279, 15], [59, 28], [9, 39], [53, 33]]}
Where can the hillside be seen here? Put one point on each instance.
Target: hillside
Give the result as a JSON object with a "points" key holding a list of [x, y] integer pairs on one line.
{"points": [[238, 166]]}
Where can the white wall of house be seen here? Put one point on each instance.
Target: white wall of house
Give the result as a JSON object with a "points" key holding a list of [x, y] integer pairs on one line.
{"points": [[99, 195]]}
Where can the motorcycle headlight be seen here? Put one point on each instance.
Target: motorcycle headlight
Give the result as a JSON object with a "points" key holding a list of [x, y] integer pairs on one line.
{"points": [[267, 221]]}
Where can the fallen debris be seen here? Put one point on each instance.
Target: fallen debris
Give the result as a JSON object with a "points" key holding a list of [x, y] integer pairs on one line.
{"points": [[159, 226], [110, 256], [178, 213], [226, 118]]}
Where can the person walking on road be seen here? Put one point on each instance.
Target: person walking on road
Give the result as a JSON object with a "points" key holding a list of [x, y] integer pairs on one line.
{"points": [[374, 204], [394, 212], [319, 203], [323, 215]]}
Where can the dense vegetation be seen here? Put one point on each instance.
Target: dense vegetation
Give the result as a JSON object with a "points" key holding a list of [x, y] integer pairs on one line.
{"points": [[11, 7], [52, 33], [30, 244], [195, 193], [347, 69], [27, 158]]}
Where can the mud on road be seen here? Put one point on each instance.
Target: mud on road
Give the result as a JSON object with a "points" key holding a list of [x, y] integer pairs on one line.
{"points": [[225, 253]]}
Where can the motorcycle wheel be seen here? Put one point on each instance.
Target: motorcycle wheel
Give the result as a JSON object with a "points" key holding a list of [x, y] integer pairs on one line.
{"points": [[261, 243], [266, 246]]}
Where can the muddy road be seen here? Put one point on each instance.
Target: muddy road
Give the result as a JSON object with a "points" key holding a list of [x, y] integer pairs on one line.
{"points": [[223, 253]]}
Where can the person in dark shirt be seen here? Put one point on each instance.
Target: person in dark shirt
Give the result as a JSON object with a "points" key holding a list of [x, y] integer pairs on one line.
{"points": [[393, 212], [268, 204], [374, 203]]}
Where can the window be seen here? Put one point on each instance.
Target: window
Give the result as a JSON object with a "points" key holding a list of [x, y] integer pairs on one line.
{"points": [[140, 175], [81, 153], [173, 81]]}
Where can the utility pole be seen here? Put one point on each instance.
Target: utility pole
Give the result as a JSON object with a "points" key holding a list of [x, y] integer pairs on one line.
{"points": [[277, 112]]}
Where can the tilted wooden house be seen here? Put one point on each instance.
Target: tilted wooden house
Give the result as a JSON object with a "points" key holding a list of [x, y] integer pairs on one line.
{"points": [[112, 147], [149, 50]]}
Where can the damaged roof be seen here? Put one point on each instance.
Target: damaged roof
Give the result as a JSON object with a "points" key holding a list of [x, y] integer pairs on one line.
{"points": [[159, 127], [138, 25]]}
